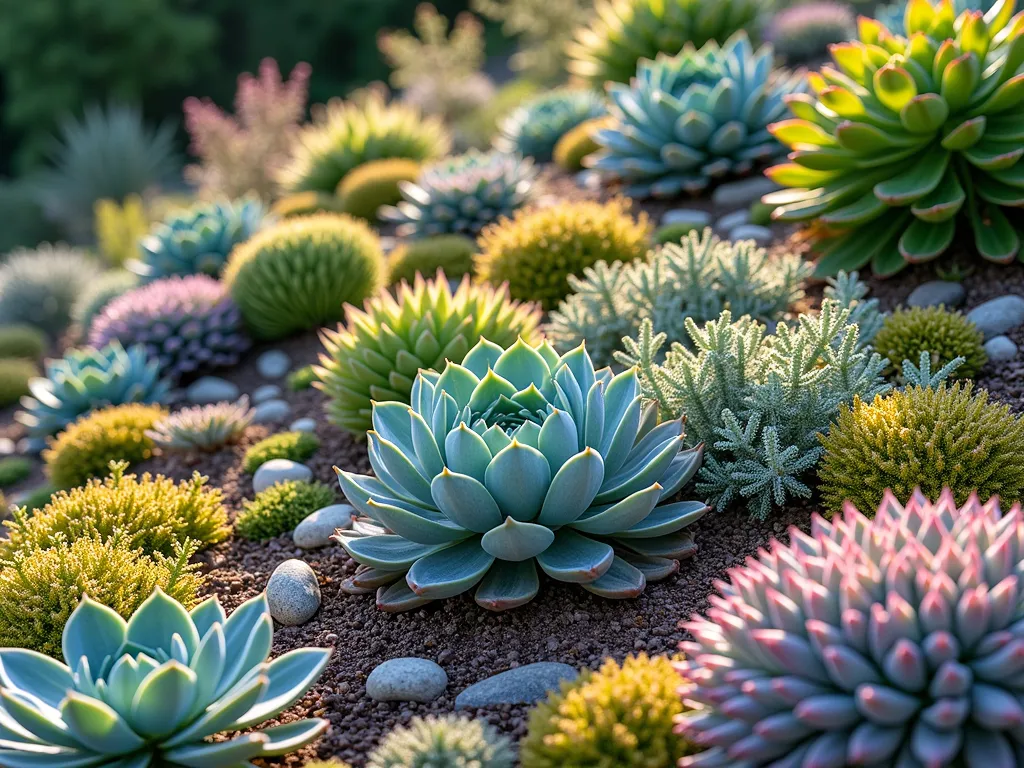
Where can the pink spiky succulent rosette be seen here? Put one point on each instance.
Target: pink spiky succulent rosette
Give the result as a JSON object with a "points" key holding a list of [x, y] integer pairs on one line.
{"points": [[894, 641]]}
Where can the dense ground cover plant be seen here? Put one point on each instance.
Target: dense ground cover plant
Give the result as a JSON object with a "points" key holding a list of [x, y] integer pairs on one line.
{"points": [[87, 446], [203, 427], [946, 437], [513, 459], [97, 294], [373, 184], [944, 335], [900, 628], [346, 134], [452, 254], [462, 194], [39, 286], [533, 128], [698, 278], [162, 683], [15, 375], [24, 341], [620, 715], [86, 379], [907, 136], [280, 508], [119, 226], [691, 119], [623, 32], [300, 273], [377, 354], [804, 32], [14, 469], [449, 740], [537, 250], [295, 446]]}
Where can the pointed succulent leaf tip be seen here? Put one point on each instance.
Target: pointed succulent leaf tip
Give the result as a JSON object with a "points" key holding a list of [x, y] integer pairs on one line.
{"points": [[95, 632], [159, 618], [515, 541]]}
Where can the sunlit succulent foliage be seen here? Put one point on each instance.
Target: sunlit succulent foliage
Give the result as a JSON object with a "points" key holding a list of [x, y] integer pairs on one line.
{"points": [[380, 349], [443, 741], [38, 287], [371, 185], [892, 15], [578, 144], [944, 335], [462, 194], [294, 446], [885, 642], [806, 31], [281, 507], [86, 379], [452, 254], [694, 118], [534, 128], [150, 691], [513, 459], [202, 427], [907, 136], [623, 32]]}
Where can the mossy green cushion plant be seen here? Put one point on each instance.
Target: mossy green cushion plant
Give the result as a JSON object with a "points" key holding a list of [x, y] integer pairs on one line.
{"points": [[537, 250], [14, 469], [306, 204], [23, 341], [295, 446], [280, 508], [623, 716], [948, 437], [443, 741], [299, 274], [452, 254], [944, 335], [375, 183], [15, 375]]}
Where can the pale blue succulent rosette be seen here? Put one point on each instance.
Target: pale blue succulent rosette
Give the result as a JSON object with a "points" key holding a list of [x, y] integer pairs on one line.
{"points": [[515, 459]]}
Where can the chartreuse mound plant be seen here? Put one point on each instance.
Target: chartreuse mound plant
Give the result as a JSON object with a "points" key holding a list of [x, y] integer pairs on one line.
{"points": [[295, 446], [621, 715], [300, 273], [14, 469], [891, 14], [944, 335], [443, 741], [305, 204], [692, 119], [890, 641], [151, 690], [24, 341], [515, 459], [623, 32], [909, 135], [119, 226], [86, 379], [280, 508], [537, 250], [203, 427], [535, 127], [15, 375], [371, 185], [579, 143], [38, 287], [452, 254], [927, 438], [377, 354], [301, 378]]}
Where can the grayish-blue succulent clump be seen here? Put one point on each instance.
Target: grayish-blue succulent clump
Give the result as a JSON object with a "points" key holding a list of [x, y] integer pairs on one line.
{"points": [[151, 691], [86, 379], [513, 459], [463, 194], [533, 128], [689, 120]]}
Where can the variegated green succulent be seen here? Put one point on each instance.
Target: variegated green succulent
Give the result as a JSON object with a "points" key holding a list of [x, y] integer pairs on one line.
{"points": [[909, 134], [150, 692], [512, 457]]}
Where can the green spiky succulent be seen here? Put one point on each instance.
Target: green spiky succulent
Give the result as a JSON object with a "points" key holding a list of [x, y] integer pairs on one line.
{"points": [[452, 254], [689, 120], [623, 32], [152, 690], [944, 335], [371, 185], [199, 239], [202, 427], [513, 459], [534, 128], [891, 15], [443, 741], [381, 348], [462, 194], [39, 287], [908, 135]]}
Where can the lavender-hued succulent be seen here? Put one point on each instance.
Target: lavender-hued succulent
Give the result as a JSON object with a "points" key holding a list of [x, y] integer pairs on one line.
{"points": [[894, 641], [188, 324]]}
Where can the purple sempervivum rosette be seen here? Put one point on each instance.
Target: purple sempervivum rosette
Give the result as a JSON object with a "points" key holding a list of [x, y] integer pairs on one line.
{"points": [[189, 324]]}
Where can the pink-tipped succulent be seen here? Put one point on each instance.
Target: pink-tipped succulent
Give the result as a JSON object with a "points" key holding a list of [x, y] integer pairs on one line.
{"points": [[897, 641]]}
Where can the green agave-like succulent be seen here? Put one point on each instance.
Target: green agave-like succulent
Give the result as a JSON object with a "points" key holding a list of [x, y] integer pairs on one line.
{"points": [[150, 691], [688, 120], [203, 427], [909, 134], [512, 458]]}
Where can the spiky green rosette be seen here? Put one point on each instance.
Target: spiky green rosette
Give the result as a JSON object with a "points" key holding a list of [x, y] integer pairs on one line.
{"points": [[689, 120], [534, 128], [203, 427], [462, 194], [513, 457], [381, 348], [86, 379], [625, 31], [887, 642], [906, 136], [198, 240], [150, 691]]}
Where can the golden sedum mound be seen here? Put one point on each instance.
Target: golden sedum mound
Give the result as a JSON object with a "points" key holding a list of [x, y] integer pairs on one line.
{"points": [[537, 250], [371, 185], [945, 335], [619, 716], [927, 439]]}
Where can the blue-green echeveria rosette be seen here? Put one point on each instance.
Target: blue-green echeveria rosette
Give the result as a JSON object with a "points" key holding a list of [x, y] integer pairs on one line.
{"points": [[515, 459], [150, 691]]}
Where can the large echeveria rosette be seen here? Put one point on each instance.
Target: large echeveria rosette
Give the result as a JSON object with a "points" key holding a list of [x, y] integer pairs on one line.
{"points": [[908, 135], [515, 459]]}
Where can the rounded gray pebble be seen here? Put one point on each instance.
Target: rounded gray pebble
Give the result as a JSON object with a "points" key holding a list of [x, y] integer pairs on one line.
{"points": [[760, 235], [997, 316], [522, 685], [265, 393], [210, 389], [406, 679], [278, 471], [936, 292], [730, 221], [1001, 349], [743, 192], [273, 364], [695, 217], [272, 411], [305, 424], [293, 593], [316, 530]]}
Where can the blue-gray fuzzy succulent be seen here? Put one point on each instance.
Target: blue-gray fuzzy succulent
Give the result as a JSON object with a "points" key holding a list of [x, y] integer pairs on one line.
{"points": [[203, 427], [198, 240], [462, 194], [86, 379], [689, 120], [533, 129], [514, 457], [151, 691]]}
